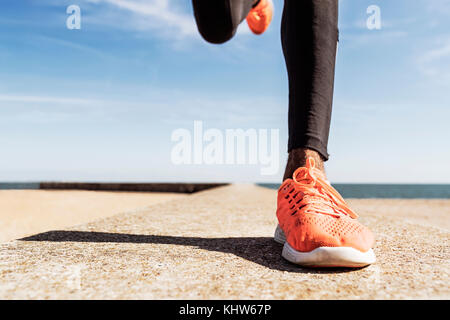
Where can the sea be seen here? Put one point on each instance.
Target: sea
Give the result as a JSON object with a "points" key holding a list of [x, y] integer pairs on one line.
{"points": [[19, 185], [388, 191], [347, 190]]}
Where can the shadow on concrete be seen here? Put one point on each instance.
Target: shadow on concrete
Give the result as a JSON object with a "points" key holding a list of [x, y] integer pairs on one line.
{"points": [[262, 250]]}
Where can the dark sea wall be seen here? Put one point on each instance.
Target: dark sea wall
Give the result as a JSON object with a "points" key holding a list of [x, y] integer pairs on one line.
{"points": [[131, 187]]}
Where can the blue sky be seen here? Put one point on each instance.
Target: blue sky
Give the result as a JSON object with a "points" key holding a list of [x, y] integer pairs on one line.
{"points": [[100, 103]]}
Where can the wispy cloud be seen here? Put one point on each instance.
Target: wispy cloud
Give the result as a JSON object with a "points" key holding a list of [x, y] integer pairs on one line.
{"points": [[176, 111], [22, 108], [369, 37], [38, 40], [46, 99], [161, 15], [164, 18], [434, 62], [438, 6]]}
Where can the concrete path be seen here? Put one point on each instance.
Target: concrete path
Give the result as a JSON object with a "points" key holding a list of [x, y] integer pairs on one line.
{"points": [[27, 212], [217, 244]]}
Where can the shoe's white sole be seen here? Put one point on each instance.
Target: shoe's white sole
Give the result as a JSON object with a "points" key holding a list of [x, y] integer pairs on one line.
{"points": [[325, 256]]}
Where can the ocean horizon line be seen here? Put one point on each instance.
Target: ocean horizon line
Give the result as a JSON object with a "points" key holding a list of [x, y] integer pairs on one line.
{"points": [[347, 190]]}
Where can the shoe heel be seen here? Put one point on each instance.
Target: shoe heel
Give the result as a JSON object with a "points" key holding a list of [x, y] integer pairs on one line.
{"points": [[279, 235]]}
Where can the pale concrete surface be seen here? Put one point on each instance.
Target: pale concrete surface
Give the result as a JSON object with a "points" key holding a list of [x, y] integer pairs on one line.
{"points": [[218, 244], [26, 212], [426, 212]]}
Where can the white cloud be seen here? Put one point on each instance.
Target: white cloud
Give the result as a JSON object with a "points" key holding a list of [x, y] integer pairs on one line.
{"points": [[436, 54], [438, 6], [161, 15], [163, 18], [22, 108], [434, 62], [46, 99]]}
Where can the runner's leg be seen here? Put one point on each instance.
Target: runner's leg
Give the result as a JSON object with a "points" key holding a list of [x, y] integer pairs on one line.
{"points": [[217, 20], [309, 35]]}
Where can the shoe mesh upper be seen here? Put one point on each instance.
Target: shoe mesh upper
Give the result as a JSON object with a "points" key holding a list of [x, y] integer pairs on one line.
{"points": [[312, 214]]}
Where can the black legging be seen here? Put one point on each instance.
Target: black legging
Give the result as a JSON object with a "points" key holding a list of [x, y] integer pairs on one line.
{"points": [[309, 35]]}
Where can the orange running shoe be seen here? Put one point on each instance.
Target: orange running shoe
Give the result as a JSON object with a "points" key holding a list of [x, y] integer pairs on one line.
{"points": [[317, 226], [259, 17]]}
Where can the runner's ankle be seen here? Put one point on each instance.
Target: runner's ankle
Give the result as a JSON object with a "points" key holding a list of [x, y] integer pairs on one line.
{"points": [[297, 158]]}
